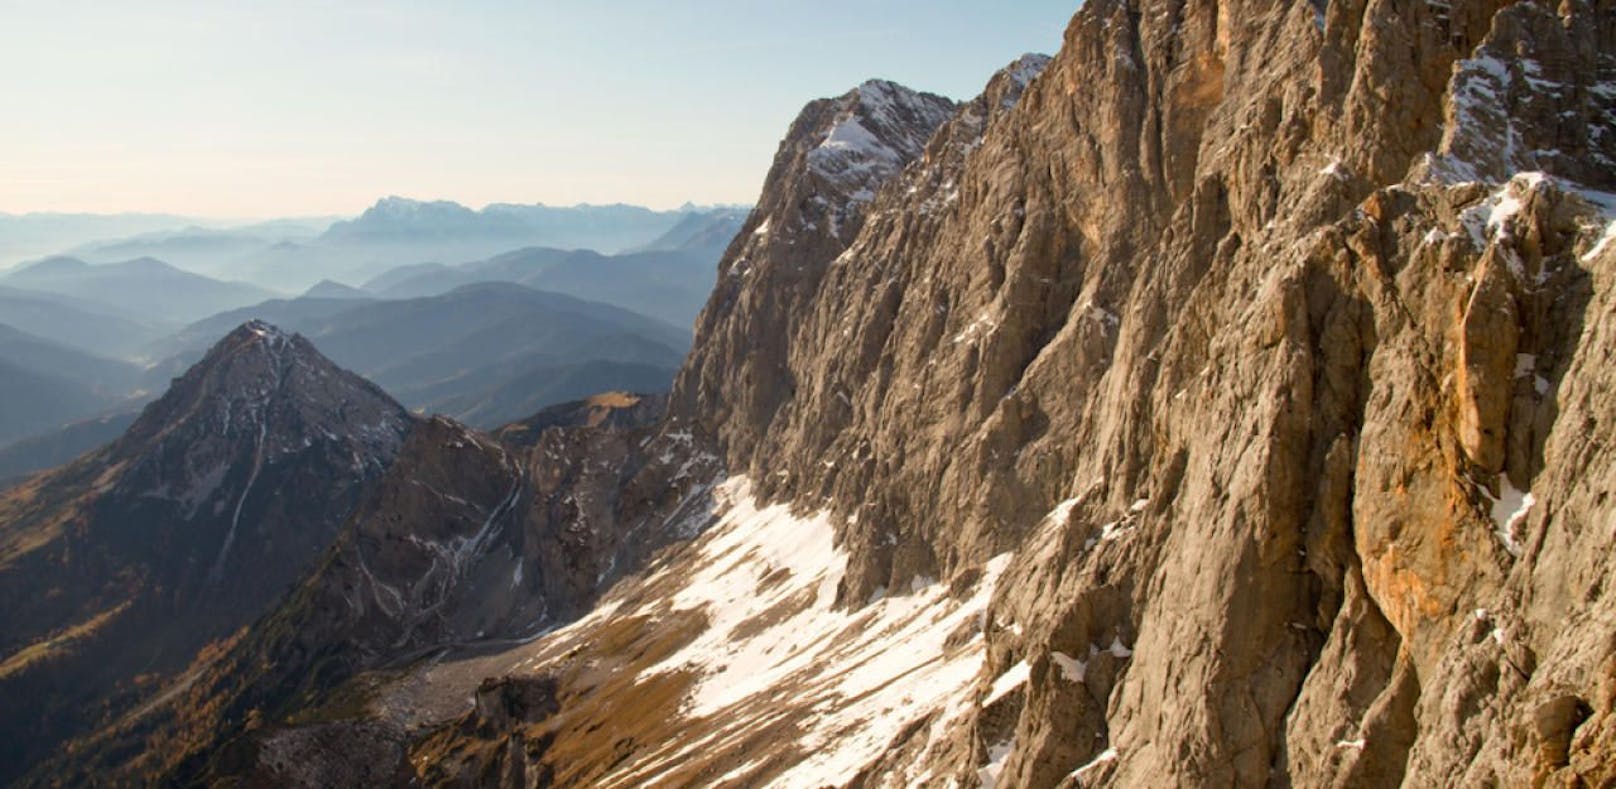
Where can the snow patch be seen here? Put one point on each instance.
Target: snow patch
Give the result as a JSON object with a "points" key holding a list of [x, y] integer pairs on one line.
{"points": [[1525, 364], [1013, 678], [1105, 757], [1508, 510], [997, 754], [1063, 510], [1119, 651], [1484, 220], [1070, 667], [766, 581], [985, 324], [1599, 246]]}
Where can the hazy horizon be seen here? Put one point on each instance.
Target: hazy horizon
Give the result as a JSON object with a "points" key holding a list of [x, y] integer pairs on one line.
{"points": [[240, 115]]}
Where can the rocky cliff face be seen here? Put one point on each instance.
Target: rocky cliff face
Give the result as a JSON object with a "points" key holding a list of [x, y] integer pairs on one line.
{"points": [[1268, 341], [118, 567], [837, 155], [1245, 334]]}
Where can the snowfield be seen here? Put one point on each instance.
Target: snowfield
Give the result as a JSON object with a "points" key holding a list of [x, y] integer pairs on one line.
{"points": [[742, 622], [775, 645]]}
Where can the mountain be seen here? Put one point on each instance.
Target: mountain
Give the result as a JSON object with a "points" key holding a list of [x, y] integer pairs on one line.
{"points": [[393, 277], [29, 236], [669, 279], [106, 377], [104, 330], [1224, 401], [210, 251], [304, 315], [203, 251], [466, 540], [492, 397], [46, 384], [701, 230], [330, 289], [148, 287], [607, 228], [455, 353], [487, 353], [38, 401], [117, 568], [398, 231]]}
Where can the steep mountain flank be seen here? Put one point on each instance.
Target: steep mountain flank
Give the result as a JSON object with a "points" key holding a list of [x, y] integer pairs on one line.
{"points": [[465, 545], [1228, 335], [117, 568], [836, 155], [1287, 409]]}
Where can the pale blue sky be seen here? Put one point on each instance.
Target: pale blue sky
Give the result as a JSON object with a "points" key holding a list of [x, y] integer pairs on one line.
{"points": [[298, 107]]}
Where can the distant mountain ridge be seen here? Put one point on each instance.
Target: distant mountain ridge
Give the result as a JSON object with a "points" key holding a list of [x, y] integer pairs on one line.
{"points": [[398, 231], [45, 383], [600, 227], [668, 278], [28, 236], [145, 286], [486, 353]]}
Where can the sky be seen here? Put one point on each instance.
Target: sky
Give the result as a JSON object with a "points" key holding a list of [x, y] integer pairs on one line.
{"points": [[295, 108]]}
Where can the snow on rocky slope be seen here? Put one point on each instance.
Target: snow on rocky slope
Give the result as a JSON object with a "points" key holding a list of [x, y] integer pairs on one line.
{"points": [[743, 623]]}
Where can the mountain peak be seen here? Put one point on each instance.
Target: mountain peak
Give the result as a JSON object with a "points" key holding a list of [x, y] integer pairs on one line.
{"points": [[1027, 67], [251, 334], [262, 379], [211, 505], [331, 289], [146, 263], [50, 266], [872, 132], [394, 204]]}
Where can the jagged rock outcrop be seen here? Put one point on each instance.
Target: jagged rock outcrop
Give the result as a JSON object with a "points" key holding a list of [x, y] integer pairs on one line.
{"points": [[118, 567], [1215, 298], [1242, 334], [836, 157]]}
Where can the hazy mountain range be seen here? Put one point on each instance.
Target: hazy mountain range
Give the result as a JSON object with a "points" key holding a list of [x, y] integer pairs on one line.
{"points": [[29, 236], [668, 278], [565, 323], [45, 383], [289, 255]]}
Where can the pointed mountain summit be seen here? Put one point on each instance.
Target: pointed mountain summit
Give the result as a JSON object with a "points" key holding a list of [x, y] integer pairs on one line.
{"points": [[222, 493], [837, 156]]}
